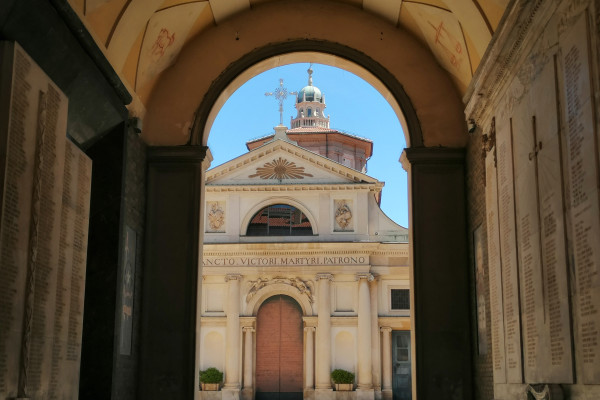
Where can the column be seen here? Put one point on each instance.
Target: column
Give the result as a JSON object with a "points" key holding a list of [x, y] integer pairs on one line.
{"points": [[365, 371], [323, 353], [232, 349], [248, 351], [387, 358], [309, 358], [375, 349]]}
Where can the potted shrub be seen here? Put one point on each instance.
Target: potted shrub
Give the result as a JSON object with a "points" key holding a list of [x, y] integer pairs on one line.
{"points": [[210, 379], [343, 380]]}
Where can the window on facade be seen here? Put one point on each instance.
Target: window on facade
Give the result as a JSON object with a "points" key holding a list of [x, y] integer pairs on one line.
{"points": [[309, 112], [400, 299], [279, 220]]}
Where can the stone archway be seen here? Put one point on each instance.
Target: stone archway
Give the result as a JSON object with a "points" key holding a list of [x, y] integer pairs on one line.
{"points": [[178, 113]]}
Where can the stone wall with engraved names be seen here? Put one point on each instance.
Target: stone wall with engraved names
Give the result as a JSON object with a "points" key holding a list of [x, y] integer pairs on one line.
{"points": [[44, 207], [542, 199]]}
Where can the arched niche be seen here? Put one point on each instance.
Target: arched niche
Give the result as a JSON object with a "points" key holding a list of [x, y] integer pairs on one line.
{"points": [[180, 109]]}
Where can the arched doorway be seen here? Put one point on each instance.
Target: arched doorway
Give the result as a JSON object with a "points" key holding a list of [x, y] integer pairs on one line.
{"points": [[179, 111], [279, 349]]}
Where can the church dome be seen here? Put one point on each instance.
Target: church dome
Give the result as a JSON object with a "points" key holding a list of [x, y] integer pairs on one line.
{"points": [[311, 92]]}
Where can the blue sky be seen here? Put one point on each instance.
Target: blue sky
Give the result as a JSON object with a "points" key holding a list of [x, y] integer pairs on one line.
{"points": [[353, 105]]}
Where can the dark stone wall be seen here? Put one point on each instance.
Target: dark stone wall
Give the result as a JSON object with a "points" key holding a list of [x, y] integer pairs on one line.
{"points": [[440, 277], [168, 326], [117, 200], [133, 213], [475, 171], [102, 267], [47, 31]]}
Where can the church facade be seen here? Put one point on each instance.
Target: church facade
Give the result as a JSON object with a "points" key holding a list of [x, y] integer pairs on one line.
{"points": [[302, 271]]}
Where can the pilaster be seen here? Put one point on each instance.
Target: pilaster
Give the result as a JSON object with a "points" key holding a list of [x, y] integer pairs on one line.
{"points": [[437, 187], [174, 178]]}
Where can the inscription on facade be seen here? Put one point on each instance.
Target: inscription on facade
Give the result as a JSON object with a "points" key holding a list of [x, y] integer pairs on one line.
{"points": [[285, 260]]}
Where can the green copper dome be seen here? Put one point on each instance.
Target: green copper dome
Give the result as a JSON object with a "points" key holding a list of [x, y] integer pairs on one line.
{"points": [[312, 93]]}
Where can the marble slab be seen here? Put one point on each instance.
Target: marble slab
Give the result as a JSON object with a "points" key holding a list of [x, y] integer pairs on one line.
{"points": [[508, 251], [582, 170], [541, 231], [45, 189], [495, 271]]}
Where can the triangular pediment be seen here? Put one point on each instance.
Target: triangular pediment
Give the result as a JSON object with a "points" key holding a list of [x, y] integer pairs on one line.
{"points": [[281, 162]]}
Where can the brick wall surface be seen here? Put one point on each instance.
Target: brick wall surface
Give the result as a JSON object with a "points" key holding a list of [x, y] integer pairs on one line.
{"points": [[482, 364]]}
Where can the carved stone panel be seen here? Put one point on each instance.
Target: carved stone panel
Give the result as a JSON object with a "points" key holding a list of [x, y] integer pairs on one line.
{"points": [[343, 215], [215, 216]]}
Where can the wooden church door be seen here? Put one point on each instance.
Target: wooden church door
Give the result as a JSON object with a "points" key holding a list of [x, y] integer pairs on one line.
{"points": [[279, 350]]}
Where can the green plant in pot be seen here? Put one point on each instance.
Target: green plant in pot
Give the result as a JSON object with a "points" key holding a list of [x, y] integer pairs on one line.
{"points": [[210, 379], [343, 380]]}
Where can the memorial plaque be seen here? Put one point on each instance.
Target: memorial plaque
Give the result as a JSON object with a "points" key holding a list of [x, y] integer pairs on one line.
{"points": [[128, 290], [76, 295], [495, 271], [541, 229], [557, 364], [40, 268], [50, 161], [37, 112], [532, 296], [508, 250], [480, 267], [64, 381], [582, 165]]}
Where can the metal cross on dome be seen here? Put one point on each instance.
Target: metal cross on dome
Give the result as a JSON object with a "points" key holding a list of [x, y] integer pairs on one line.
{"points": [[280, 95]]}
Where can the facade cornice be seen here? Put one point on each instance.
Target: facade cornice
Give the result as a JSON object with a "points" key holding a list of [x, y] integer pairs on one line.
{"points": [[370, 187], [394, 322], [304, 249], [512, 42]]}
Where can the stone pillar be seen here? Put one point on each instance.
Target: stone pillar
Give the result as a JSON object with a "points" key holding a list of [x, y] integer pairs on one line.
{"points": [[387, 361], [232, 349], [438, 220], [375, 348], [309, 358], [323, 350], [365, 370], [169, 287], [248, 361]]}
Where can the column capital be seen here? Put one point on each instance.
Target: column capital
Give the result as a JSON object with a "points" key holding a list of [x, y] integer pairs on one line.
{"points": [[327, 276], [248, 329], [233, 277], [309, 328], [364, 275], [385, 329]]}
